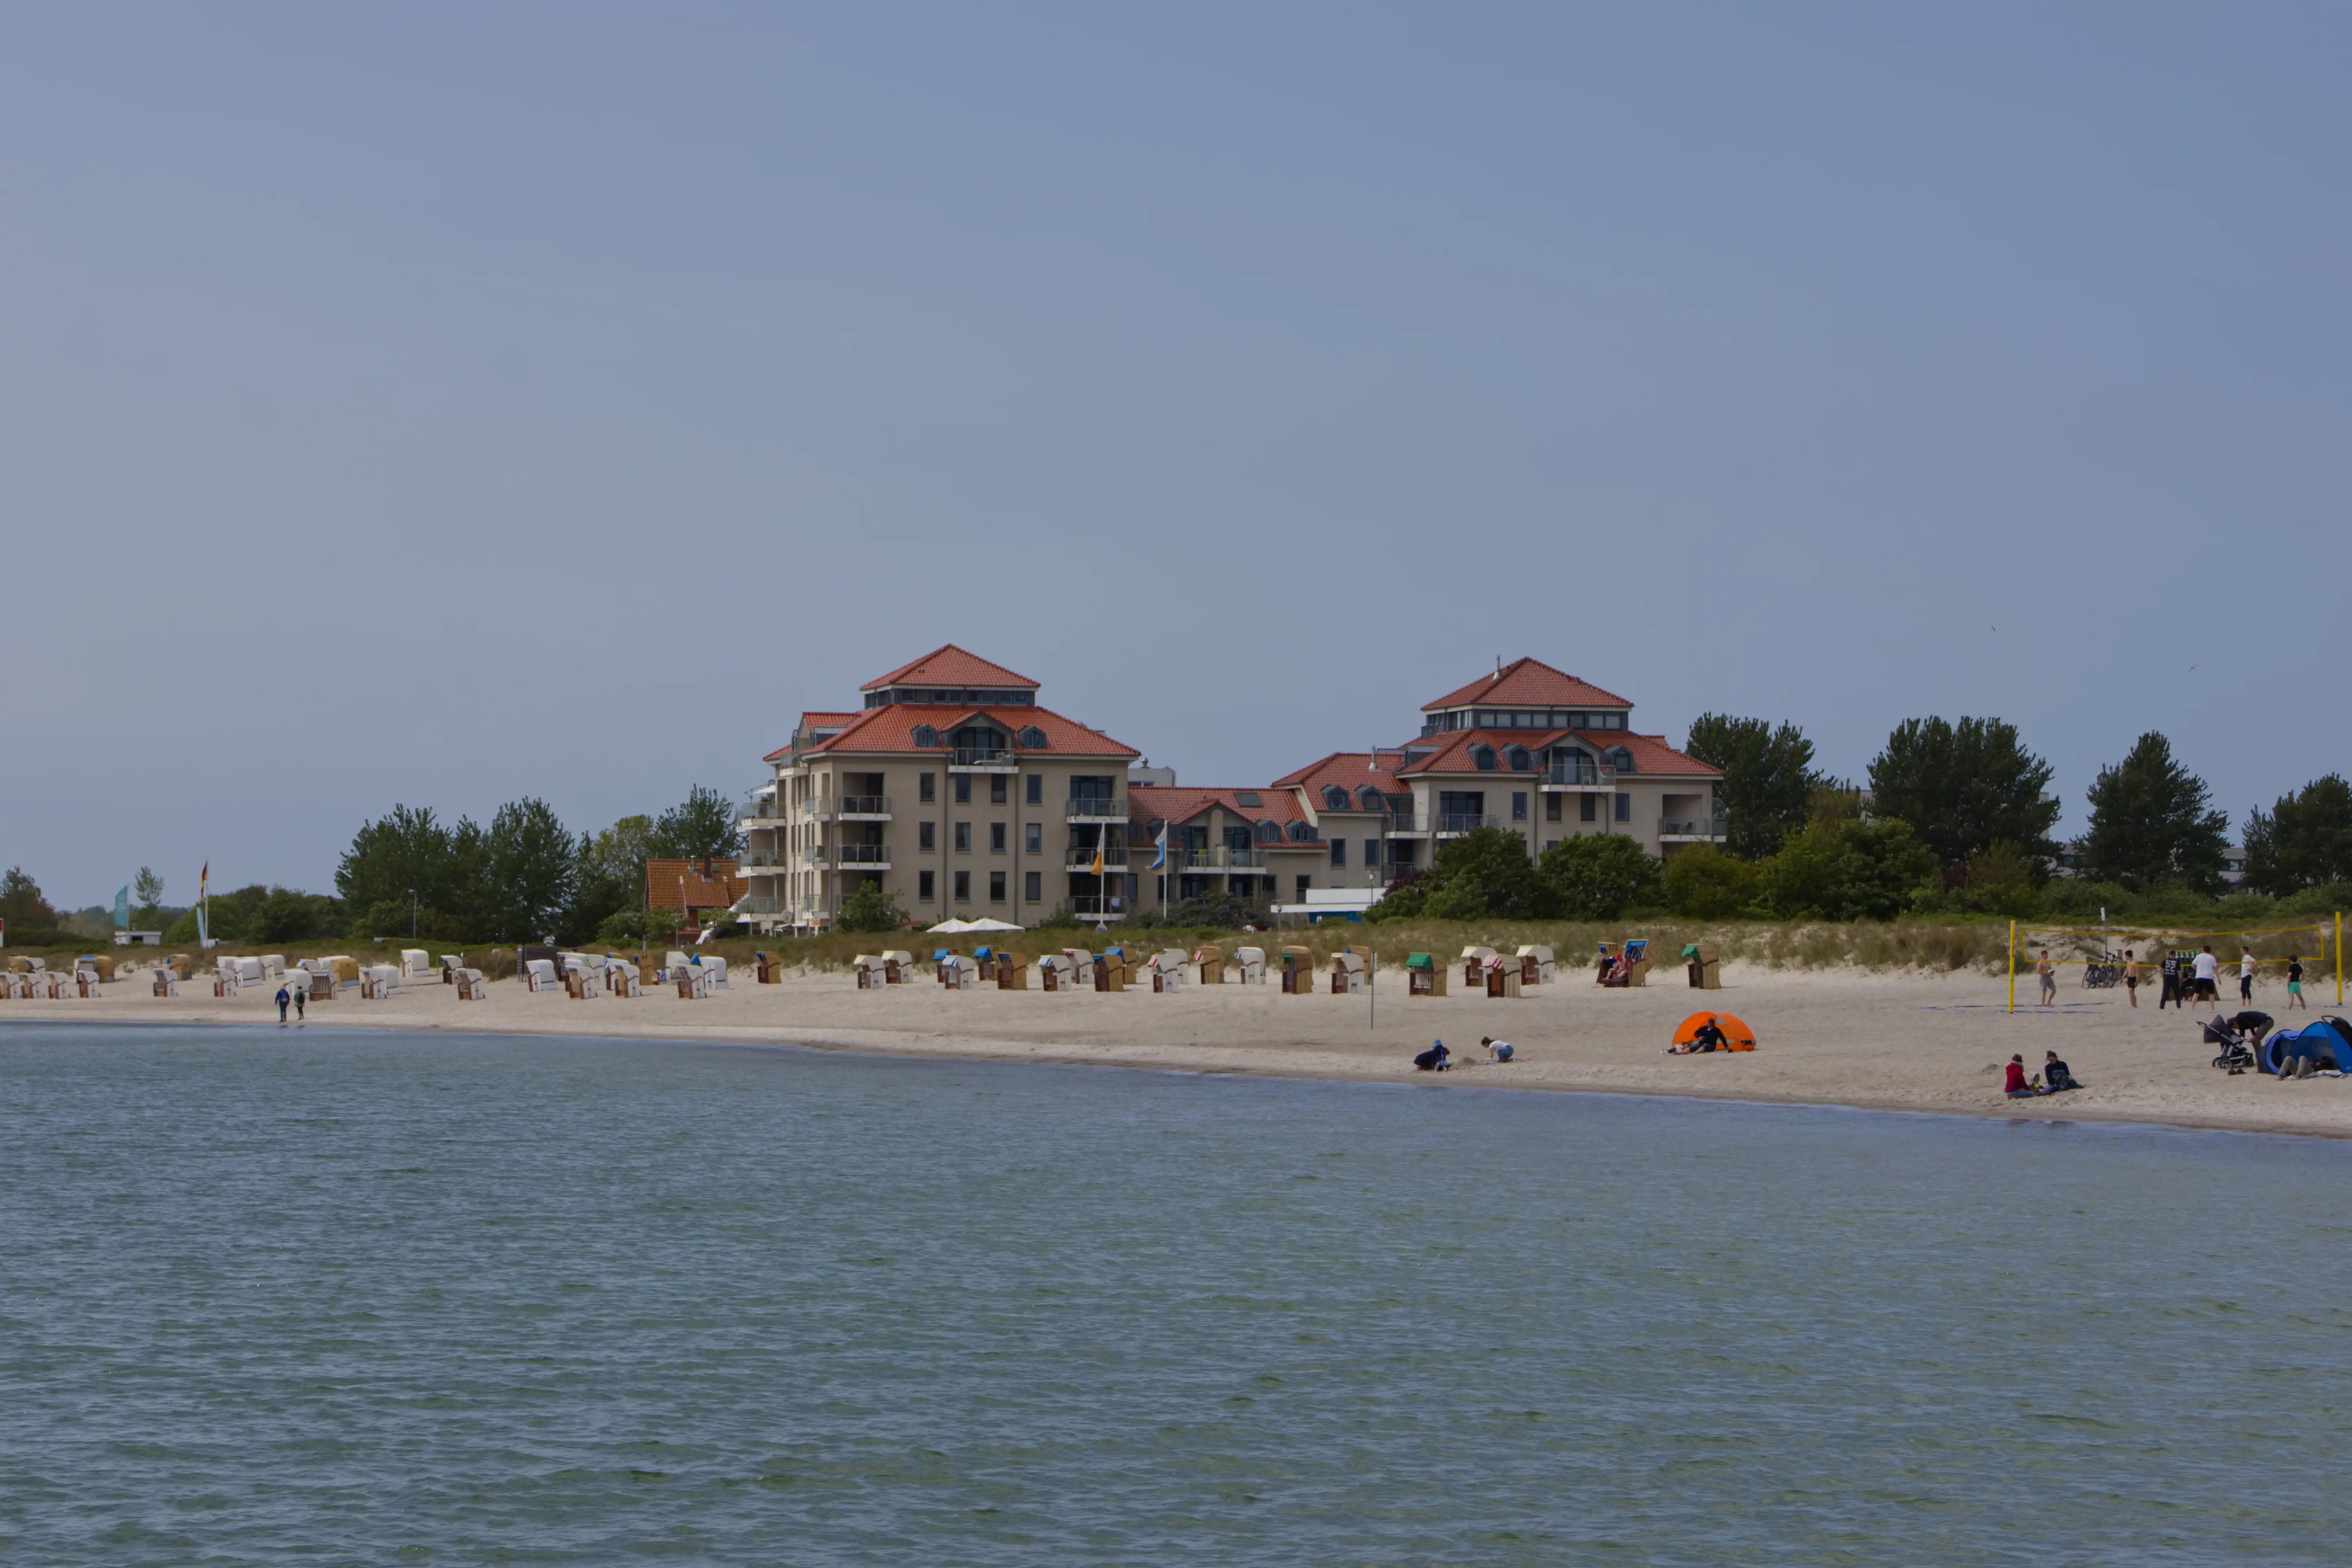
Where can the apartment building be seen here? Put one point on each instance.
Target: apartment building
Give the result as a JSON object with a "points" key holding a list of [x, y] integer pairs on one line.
{"points": [[951, 788], [956, 792]]}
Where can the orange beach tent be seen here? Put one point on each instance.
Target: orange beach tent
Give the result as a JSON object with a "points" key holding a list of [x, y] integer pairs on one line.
{"points": [[1737, 1035]]}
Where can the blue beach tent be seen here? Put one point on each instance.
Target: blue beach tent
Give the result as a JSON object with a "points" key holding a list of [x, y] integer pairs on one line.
{"points": [[2328, 1041]]}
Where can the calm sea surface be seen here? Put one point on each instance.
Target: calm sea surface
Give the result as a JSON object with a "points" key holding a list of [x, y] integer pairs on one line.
{"points": [[267, 1296]]}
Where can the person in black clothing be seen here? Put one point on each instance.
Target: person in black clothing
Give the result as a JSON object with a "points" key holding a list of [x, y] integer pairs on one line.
{"points": [[1705, 1037], [2249, 1027], [2056, 1076], [1432, 1059], [2171, 972]]}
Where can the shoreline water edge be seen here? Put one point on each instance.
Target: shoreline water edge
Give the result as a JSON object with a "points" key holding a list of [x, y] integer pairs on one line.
{"points": [[1932, 1044]]}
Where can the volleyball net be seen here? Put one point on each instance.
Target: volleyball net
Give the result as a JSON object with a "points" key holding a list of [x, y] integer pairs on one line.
{"points": [[2108, 955]]}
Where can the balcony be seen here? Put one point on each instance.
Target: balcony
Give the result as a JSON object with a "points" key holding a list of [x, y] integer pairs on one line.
{"points": [[762, 864], [758, 904], [1219, 859], [864, 856], [973, 760], [1465, 824], [1098, 809], [1580, 775], [852, 808], [1693, 830]]}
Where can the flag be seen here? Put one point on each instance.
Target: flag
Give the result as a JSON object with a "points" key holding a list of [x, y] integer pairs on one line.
{"points": [[1098, 858], [1160, 843], [204, 935], [123, 909]]}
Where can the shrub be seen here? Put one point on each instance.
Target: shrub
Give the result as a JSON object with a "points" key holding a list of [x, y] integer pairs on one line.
{"points": [[1484, 874], [1704, 883], [1854, 870], [869, 909], [1597, 877]]}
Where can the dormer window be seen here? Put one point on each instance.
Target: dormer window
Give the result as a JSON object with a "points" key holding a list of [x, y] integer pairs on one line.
{"points": [[1301, 832], [926, 736], [1370, 799], [1621, 759], [1030, 739], [1518, 759], [1483, 758], [1268, 833], [1335, 797]]}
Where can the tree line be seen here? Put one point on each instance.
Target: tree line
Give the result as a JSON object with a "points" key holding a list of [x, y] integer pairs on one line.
{"points": [[523, 877], [1954, 819]]}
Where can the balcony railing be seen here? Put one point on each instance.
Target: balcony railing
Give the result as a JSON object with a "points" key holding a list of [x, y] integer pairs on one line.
{"points": [[1584, 772], [849, 854], [851, 806], [1695, 827], [1098, 809], [1402, 822], [1462, 823], [757, 904], [976, 757], [1222, 861]]}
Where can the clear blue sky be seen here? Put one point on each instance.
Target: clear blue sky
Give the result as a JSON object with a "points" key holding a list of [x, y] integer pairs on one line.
{"points": [[445, 404]]}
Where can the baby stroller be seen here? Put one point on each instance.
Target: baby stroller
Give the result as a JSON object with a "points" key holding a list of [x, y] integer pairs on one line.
{"points": [[2236, 1055]]}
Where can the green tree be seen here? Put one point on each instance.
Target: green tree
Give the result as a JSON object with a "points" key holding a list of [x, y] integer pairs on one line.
{"points": [[699, 828], [532, 864], [287, 915], [1768, 778], [1964, 787], [869, 909], [2303, 841], [1599, 876], [2151, 823], [611, 879], [1705, 883], [1484, 874], [147, 891], [2001, 880], [22, 905], [1854, 871]]}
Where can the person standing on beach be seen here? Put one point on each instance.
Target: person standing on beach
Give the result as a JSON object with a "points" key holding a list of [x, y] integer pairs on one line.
{"points": [[2131, 977], [2245, 973], [2295, 982], [2169, 969], [2208, 968], [284, 996], [301, 994], [2049, 973]]}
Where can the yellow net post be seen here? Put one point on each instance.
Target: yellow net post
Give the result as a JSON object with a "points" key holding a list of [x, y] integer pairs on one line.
{"points": [[2012, 965], [2339, 958]]}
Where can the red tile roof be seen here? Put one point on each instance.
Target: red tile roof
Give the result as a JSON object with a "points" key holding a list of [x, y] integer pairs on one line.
{"points": [[950, 666], [1529, 682], [892, 728], [1179, 804], [716, 892], [1651, 753], [813, 720], [1349, 770]]}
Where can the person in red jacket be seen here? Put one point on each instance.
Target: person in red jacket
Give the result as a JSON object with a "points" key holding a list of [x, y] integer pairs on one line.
{"points": [[2017, 1087]]}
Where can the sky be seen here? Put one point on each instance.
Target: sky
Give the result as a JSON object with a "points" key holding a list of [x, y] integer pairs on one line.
{"points": [[443, 405]]}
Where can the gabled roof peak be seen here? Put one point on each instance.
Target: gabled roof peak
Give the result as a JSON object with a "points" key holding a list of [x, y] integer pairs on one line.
{"points": [[951, 666], [1528, 683]]}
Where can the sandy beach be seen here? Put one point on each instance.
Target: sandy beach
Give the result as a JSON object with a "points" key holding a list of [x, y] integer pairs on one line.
{"points": [[1873, 1041]]}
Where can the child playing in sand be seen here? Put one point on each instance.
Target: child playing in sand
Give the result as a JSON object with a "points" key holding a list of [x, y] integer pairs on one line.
{"points": [[1497, 1050]]}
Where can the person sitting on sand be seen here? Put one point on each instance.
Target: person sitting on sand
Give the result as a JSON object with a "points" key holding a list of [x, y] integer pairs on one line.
{"points": [[1708, 1037], [2015, 1086], [1432, 1059], [2056, 1076], [1497, 1050]]}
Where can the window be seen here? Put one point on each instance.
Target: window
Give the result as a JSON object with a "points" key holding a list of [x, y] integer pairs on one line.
{"points": [[1621, 759], [1304, 883], [1552, 808], [1371, 851], [1034, 840], [1033, 888], [1335, 797], [1370, 799], [1517, 757], [1339, 852], [1624, 808], [996, 785], [964, 886], [1483, 758], [1519, 805], [964, 789], [927, 838], [996, 838], [1036, 789], [1584, 808], [925, 881], [996, 887], [1302, 833], [926, 737], [1269, 833], [927, 786], [1248, 797], [964, 840], [1030, 739], [1159, 888]]}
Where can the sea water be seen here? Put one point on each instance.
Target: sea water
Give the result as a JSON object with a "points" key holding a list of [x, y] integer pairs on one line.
{"points": [[269, 1295]]}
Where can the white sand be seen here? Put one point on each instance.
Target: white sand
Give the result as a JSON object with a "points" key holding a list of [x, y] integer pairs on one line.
{"points": [[1884, 1042]]}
